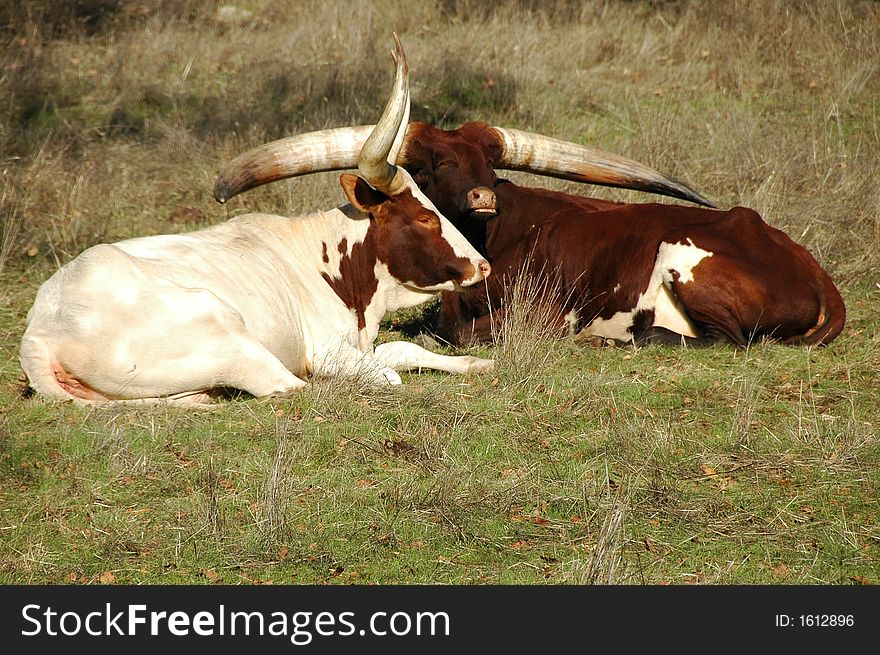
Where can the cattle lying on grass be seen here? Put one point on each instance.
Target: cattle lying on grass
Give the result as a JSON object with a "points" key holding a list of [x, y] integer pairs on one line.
{"points": [[258, 303], [621, 271]]}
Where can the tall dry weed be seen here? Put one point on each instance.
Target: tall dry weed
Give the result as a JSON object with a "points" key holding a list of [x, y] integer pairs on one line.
{"points": [[277, 511], [604, 565], [528, 326]]}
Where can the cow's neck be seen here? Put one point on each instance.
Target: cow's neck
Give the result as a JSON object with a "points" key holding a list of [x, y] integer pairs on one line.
{"points": [[523, 210], [351, 268]]}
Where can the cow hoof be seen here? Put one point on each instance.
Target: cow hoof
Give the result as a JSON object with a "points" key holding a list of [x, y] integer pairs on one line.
{"points": [[477, 365], [283, 395]]}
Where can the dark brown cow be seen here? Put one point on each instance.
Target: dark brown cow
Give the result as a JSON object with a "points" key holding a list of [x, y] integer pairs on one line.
{"points": [[629, 272]]}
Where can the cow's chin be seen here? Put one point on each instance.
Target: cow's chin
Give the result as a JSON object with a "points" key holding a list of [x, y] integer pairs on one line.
{"points": [[449, 285], [482, 214], [434, 288]]}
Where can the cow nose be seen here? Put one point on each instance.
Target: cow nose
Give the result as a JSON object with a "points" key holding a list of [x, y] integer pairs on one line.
{"points": [[485, 268], [480, 195], [480, 201]]}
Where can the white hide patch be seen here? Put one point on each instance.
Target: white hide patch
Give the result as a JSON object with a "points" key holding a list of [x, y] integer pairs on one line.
{"points": [[672, 258], [680, 258], [571, 320]]}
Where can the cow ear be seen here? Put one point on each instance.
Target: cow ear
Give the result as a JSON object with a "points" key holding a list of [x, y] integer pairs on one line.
{"points": [[360, 194]]}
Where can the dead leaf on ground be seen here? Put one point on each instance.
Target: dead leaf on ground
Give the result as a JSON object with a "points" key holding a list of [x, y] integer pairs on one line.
{"points": [[780, 571], [282, 553], [107, 577], [522, 543], [707, 470], [212, 575]]}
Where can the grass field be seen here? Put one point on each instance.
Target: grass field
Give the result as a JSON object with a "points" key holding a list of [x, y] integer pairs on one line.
{"points": [[570, 464]]}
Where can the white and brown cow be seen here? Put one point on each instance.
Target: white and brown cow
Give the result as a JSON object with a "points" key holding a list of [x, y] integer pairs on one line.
{"points": [[258, 303]]}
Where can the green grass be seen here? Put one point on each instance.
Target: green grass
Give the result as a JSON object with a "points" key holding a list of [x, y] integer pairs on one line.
{"points": [[569, 465], [713, 466]]}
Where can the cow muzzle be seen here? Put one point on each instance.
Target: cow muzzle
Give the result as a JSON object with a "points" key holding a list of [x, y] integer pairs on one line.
{"points": [[480, 203], [481, 269], [485, 268]]}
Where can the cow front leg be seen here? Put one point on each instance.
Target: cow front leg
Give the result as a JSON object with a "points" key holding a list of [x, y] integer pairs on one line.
{"points": [[252, 368], [406, 356], [349, 362]]}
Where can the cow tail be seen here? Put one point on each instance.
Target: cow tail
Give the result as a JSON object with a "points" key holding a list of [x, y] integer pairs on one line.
{"points": [[36, 362], [831, 319]]}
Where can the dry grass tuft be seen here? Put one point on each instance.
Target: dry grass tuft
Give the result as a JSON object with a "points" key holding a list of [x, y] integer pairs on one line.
{"points": [[606, 558], [275, 521], [530, 326]]}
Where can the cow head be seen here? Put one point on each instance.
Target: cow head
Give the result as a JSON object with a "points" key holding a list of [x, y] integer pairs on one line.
{"points": [[417, 244], [420, 248], [456, 168]]}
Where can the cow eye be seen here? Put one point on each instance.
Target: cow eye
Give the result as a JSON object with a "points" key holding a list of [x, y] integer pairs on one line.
{"points": [[443, 163], [428, 220]]}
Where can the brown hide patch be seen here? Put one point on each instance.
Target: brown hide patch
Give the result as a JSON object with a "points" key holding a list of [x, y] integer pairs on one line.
{"points": [[356, 283], [411, 244], [324, 257]]}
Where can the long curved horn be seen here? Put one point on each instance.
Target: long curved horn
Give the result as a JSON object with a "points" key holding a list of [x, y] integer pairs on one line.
{"points": [[399, 140], [373, 161], [534, 153], [327, 150], [315, 152]]}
